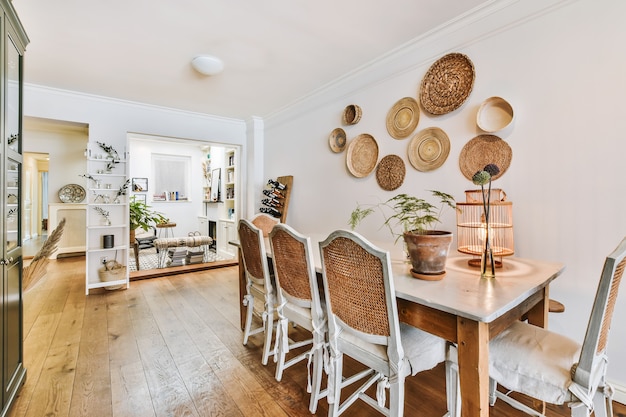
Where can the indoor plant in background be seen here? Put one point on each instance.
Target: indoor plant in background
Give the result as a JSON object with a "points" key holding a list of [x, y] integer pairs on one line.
{"points": [[427, 248], [142, 215]]}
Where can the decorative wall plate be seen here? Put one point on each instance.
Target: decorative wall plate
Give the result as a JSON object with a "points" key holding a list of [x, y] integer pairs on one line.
{"points": [[337, 140], [403, 117], [72, 193], [362, 155], [429, 149]]}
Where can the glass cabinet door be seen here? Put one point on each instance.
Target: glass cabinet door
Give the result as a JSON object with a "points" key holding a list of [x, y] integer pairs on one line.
{"points": [[12, 205], [13, 116], [13, 159]]}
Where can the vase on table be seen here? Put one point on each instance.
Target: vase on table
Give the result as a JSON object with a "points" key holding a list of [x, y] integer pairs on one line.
{"points": [[487, 263]]}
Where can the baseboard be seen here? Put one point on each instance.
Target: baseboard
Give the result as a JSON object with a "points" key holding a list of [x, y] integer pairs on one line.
{"points": [[619, 393]]}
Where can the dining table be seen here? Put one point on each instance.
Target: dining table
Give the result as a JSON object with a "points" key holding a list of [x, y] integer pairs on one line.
{"points": [[464, 308]]}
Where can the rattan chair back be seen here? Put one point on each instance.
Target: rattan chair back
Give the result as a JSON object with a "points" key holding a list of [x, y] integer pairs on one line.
{"points": [[357, 283], [253, 253], [595, 342], [265, 222], [291, 265]]}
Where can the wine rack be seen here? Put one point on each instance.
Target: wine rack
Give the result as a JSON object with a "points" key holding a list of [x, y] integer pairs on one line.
{"points": [[275, 198]]}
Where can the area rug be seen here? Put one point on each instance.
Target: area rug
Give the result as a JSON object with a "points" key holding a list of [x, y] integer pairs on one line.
{"points": [[148, 259]]}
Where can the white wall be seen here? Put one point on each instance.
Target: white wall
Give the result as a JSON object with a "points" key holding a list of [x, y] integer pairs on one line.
{"points": [[563, 71], [65, 144], [183, 213]]}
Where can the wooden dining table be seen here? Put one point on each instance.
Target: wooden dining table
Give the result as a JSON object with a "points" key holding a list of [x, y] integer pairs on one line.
{"points": [[465, 309]]}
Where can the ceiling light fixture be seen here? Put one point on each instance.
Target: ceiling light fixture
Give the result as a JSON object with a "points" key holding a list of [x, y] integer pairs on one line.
{"points": [[207, 64]]}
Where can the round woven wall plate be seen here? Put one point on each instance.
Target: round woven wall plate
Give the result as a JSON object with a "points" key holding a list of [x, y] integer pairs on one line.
{"points": [[429, 149], [447, 84], [484, 150], [351, 114], [337, 140], [494, 114], [403, 117], [390, 172], [362, 155]]}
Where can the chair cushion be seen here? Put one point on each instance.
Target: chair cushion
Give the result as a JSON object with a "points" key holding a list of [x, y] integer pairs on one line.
{"points": [[423, 350], [534, 361], [300, 315]]}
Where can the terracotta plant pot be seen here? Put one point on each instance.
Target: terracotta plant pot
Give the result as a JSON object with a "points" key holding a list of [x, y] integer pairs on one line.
{"points": [[428, 253]]}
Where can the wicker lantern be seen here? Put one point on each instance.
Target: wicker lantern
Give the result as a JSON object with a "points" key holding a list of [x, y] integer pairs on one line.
{"points": [[470, 221]]}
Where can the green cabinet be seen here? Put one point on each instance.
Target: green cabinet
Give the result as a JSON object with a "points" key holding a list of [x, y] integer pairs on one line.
{"points": [[11, 261]]}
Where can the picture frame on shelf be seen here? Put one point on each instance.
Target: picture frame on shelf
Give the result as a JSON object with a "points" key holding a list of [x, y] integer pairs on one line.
{"points": [[140, 198], [140, 185]]}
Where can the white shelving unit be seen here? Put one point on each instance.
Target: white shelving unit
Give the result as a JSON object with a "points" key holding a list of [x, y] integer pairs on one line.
{"points": [[101, 194], [230, 180]]}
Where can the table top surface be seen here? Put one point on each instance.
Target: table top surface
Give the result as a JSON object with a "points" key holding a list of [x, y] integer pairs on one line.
{"points": [[159, 225], [463, 291]]}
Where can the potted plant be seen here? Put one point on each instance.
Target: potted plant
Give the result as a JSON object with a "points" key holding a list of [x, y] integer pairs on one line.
{"points": [[141, 215], [414, 219]]}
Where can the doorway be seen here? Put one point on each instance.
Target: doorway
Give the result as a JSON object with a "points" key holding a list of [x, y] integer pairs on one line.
{"points": [[176, 178], [35, 202]]}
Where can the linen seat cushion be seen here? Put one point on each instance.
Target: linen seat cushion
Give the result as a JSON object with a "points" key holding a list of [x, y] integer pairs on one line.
{"points": [[534, 361], [422, 350], [299, 315], [258, 292]]}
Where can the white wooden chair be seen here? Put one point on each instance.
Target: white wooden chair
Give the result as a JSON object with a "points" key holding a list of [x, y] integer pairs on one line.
{"points": [[260, 298], [555, 369], [298, 302], [363, 324]]}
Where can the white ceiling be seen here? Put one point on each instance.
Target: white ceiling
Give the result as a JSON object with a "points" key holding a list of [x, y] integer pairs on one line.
{"points": [[274, 51]]}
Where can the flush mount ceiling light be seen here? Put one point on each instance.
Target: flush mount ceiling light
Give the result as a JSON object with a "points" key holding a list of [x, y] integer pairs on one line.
{"points": [[207, 64]]}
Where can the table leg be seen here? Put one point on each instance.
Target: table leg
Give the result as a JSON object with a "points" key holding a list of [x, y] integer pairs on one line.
{"points": [[538, 315], [136, 249], [473, 351]]}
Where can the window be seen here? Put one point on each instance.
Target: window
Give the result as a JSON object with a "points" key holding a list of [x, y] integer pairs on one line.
{"points": [[171, 177]]}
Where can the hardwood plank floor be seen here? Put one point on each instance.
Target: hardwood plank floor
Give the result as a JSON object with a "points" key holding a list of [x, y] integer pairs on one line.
{"points": [[169, 346]]}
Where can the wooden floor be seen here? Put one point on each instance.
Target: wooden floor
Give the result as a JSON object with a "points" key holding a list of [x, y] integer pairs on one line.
{"points": [[169, 346]]}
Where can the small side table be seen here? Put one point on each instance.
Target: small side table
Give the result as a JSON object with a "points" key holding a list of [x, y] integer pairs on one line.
{"points": [[168, 227]]}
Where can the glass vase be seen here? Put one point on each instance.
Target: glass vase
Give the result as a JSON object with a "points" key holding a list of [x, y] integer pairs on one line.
{"points": [[487, 264]]}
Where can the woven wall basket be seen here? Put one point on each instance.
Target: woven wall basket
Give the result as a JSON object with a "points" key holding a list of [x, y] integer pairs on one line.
{"points": [[495, 113], [352, 114], [483, 150], [362, 155], [390, 172], [447, 84]]}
